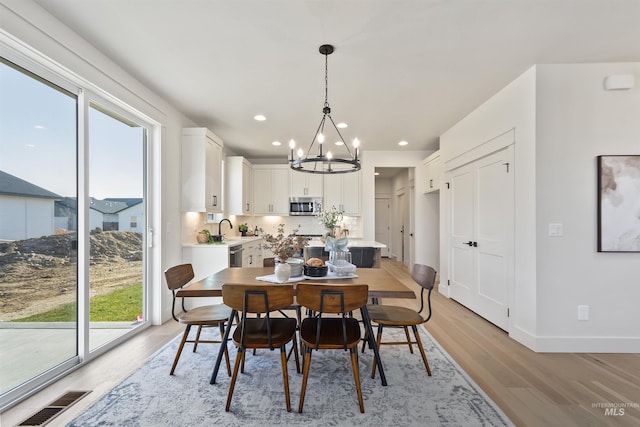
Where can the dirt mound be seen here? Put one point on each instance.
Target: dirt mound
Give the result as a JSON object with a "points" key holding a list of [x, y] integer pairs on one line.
{"points": [[40, 274]]}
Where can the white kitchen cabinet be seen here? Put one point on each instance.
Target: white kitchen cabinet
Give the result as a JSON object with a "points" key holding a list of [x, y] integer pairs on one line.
{"points": [[252, 254], [343, 192], [206, 259], [238, 186], [271, 190], [201, 171], [306, 184], [432, 173]]}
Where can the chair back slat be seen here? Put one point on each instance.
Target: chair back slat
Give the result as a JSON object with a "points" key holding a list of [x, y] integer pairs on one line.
{"points": [[424, 275], [178, 276], [277, 297], [340, 298]]}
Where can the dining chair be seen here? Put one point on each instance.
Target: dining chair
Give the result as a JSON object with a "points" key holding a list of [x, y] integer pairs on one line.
{"points": [[402, 317], [204, 316], [264, 331], [319, 332]]}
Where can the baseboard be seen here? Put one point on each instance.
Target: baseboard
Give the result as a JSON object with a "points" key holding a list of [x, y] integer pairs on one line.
{"points": [[587, 345]]}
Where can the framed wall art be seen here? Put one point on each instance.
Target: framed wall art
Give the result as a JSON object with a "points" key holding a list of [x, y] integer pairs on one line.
{"points": [[619, 203]]}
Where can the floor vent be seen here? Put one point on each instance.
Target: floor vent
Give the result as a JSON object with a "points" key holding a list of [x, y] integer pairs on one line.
{"points": [[55, 408]]}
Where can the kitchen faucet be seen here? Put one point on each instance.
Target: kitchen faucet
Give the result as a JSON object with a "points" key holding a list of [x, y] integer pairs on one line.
{"points": [[220, 223]]}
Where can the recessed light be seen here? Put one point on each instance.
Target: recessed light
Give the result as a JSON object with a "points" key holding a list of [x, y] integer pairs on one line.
{"points": [[342, 125], [276, 143], [376, 173], [339, 143], [260, 118], [403, 143]]}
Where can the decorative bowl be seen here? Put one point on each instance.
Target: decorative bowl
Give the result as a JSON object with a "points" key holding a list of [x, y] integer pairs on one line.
{"points": [[315, 271], [296, 266]]}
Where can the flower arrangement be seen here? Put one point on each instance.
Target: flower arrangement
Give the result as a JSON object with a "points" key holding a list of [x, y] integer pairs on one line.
{"points": [[285, 247], [243, 228], [329, 218]]}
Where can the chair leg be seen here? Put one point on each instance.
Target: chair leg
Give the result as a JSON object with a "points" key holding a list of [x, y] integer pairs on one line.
{"points": [[305, 377], [356, 376], [378, 343], [226, 352], [197, 340], [424, 357], [364, 340], [232, 384], [184, 339], [406, 332], [285, 376], [295, 352]]}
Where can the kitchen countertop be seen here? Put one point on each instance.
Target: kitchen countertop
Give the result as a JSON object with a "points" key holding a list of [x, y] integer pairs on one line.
{"points": [[353, 243], [231, 241]]}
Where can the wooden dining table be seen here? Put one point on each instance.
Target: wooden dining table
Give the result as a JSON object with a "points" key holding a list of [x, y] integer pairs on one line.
{"points": [[381, 285]]}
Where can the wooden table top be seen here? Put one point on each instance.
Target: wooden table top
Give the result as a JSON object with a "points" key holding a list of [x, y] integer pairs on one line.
{"points": [[381, 283]]}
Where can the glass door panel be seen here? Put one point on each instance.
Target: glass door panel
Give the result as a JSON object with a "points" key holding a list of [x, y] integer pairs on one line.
{"points": [[117, 220], [38, 227]]}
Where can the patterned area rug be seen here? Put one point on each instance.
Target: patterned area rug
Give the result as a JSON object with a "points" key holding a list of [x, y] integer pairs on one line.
{"points": [[151, 397]]}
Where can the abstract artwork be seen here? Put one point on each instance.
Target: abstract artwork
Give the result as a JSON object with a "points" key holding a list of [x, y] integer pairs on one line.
{"points": [[619, 203]]}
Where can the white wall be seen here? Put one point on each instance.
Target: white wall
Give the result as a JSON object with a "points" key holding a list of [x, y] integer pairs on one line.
{"points": [[561, 119], [577, 121], [25, 218], [29, 27]]}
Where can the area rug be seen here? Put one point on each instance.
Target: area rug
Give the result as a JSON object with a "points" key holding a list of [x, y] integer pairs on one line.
{"points": [[151, 397]]}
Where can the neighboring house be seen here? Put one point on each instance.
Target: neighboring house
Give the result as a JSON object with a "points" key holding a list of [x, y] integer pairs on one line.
{"points": [[125, 214], [26, 210]]}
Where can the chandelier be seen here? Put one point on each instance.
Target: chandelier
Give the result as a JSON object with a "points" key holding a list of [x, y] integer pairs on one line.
{"points": [[325, 161]]}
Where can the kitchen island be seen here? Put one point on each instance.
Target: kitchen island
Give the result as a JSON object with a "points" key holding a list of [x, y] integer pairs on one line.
{"points": [[364, 253]]}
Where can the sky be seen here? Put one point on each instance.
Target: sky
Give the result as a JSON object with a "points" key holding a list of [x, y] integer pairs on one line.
{"points": [[38, 141]]}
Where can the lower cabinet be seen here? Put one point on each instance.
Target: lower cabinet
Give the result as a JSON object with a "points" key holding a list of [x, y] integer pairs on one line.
{"points": [[252, 254]]}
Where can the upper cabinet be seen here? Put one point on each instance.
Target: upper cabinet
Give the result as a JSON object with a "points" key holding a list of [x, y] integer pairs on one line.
{"points": [[343, 191], [238, 186], [432, 172], [271, 190], [201, 171], [306, 184]]}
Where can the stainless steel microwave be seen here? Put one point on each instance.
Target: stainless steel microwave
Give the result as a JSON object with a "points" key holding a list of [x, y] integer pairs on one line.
{"points": [[304, 205]]}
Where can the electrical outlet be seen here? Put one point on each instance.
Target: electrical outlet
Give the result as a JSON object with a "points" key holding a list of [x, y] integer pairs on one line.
{"points": [[583, 312]]}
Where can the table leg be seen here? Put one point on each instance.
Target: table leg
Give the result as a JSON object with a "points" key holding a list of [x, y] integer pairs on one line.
{"points": [[372, 343], [223, 345]]}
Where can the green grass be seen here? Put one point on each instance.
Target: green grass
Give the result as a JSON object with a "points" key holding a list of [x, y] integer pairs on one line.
{"points": [[122, 305]]}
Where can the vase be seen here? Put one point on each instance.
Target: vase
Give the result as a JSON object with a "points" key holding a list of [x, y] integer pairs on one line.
{"points": [[283, 272]]}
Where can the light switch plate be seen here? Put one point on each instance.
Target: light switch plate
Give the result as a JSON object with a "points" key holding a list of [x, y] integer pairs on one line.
{"points": [[555, 230]]}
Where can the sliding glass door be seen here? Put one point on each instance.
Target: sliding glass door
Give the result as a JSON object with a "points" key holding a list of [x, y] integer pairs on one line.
{"points": [[38, 234], [73, 225], [117, 217]]}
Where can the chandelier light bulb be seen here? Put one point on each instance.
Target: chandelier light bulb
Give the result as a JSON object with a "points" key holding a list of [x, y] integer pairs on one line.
{"points": [[300, 153], [356, 143], [292, 144], [320, 138], [329, 155]]}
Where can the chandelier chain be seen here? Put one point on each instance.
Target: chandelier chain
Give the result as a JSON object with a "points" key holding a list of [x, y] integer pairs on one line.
{"points": [[326, 80]]}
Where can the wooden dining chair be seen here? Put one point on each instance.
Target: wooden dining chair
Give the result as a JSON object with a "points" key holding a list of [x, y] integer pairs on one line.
{"points": [[215, 315], [263, 332], [319, 332], [402, 317]]}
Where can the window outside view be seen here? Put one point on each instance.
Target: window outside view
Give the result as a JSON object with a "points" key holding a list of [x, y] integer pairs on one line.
{"points": [[39, 236]]}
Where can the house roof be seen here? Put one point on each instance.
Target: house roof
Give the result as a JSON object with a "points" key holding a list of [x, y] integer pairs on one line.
{"points": [[13, 186]]}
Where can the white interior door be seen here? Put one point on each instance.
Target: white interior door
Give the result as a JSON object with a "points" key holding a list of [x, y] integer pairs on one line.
{"points": [[482, 209], [383, 216]]}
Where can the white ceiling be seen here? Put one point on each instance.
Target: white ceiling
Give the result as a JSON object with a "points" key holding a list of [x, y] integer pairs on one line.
{"points": [[402, 70]]}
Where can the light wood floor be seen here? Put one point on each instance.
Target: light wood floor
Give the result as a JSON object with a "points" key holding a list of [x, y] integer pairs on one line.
{"points": [[533, 389]]}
